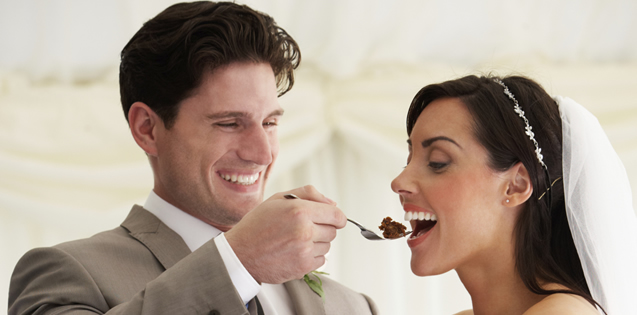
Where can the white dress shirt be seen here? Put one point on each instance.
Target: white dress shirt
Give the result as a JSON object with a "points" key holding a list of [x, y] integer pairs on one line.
{"points": [[274, 298]]}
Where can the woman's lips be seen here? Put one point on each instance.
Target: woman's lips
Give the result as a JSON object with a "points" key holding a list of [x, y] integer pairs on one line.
{"points": [[422, 222]]}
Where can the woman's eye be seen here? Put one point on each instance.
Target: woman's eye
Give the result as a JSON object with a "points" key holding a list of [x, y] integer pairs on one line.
{"points": [[436, 166]]}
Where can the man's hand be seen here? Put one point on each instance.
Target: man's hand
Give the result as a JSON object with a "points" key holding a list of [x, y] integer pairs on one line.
{"points": [[283, 239]]}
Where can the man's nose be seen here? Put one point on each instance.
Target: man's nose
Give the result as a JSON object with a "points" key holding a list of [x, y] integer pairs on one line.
{"points": [[256, 147]]}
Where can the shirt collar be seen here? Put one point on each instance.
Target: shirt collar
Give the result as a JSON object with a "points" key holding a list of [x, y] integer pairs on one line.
{"points": [[192, 230]]}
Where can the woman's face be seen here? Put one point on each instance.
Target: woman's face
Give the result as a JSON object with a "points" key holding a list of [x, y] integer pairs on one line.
{"points": [[448, 179]]}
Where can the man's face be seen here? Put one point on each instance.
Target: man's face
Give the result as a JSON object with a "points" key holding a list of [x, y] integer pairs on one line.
{"points": [[213, 163]]}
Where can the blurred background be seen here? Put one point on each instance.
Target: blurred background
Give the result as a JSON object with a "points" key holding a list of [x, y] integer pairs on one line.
{"points": [[69, 167]]}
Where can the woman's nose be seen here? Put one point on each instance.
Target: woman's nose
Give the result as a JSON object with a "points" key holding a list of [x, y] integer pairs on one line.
{"points": [[400, 184]]}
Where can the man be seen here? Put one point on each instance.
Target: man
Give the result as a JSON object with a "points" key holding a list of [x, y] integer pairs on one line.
{"points": [[199, 86]]}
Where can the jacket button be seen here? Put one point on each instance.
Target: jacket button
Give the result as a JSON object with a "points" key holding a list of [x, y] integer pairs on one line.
{"points": [[214, 312]]}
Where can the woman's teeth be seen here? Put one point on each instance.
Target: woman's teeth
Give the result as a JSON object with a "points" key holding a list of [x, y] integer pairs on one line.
{"points": [[241, 179], [420, 216]]}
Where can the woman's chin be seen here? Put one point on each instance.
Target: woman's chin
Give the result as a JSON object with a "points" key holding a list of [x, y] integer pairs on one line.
{"points": [[418, 269], [423, 269]]}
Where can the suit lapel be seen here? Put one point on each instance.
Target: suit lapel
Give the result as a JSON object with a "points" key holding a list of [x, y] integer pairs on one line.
{"points": [[167, 246], [305, 301]]}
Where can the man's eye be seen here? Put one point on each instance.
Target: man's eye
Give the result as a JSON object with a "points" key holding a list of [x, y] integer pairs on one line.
{"points": [[230, 124], [270, 123]]}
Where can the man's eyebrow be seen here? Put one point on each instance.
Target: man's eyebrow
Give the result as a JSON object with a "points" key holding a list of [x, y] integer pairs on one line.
{"points": [[226, 114], [234, 114], [277, 112], [427, 142]]}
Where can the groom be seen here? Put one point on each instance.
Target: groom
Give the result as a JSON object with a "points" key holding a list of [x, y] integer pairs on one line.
{"points": [[199, 86]]}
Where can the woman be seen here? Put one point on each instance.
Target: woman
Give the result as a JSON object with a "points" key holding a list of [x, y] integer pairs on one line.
{"points": [[484, 191]]}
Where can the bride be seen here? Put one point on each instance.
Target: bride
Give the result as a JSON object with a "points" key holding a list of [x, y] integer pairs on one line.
{"points": [[522, 195]]}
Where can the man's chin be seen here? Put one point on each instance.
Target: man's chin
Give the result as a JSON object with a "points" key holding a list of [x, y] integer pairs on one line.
{"points": [[250, 200], [241, 207]]}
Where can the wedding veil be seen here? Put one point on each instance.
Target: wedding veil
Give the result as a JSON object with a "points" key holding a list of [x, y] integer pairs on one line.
{"points": [[599, 209]]}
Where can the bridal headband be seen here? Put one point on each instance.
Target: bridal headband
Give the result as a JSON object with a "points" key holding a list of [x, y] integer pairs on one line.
{"points": [[530, 134], [528, 128]]}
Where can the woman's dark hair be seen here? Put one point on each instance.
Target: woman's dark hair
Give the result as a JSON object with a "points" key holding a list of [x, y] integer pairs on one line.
{"points": [[166, 59], [544, 247]]}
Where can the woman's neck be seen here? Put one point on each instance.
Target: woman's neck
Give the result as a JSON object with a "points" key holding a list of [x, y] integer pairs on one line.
{"points": [[496, 287]]}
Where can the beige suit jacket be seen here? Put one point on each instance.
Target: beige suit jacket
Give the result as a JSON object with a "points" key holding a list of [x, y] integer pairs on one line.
{"points": [[143, 267]]}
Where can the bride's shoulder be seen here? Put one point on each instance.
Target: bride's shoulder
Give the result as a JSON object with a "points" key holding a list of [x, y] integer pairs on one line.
{"points": [[562, 303]]}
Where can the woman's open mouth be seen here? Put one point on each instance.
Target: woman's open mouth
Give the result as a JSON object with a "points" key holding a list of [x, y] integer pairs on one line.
{"points": [[421, 222]]}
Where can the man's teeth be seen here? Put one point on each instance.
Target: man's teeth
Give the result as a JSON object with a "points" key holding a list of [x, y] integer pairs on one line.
{"points": [[420, 216], [241, 179]]}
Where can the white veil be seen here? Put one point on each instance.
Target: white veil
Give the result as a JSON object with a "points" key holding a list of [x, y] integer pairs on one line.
{"points": [[599, 210]]}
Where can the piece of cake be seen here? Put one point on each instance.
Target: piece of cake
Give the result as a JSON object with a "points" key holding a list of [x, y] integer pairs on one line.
{"points": [[391, 228]]}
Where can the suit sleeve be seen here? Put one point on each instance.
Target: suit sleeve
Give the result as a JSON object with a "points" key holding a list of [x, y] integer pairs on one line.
{"points": [[52, 281]]}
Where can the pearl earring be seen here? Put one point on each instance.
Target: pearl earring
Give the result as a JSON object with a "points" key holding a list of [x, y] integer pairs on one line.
{"points": [[507, 200]]}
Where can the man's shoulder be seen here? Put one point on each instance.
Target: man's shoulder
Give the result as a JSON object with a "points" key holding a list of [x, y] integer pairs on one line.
{"points": [[103, 246], [111, 238], [110, 259], [99, 244]]}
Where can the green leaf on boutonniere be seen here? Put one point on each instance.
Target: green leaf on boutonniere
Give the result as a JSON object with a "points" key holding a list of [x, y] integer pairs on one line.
{"points": [[314, 285]]}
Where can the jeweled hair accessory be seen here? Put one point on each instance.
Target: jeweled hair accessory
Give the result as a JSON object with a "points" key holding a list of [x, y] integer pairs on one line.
{"points": [[528, 128]]}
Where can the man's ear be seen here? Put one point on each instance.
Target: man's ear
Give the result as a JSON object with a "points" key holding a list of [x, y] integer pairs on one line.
{"points": [[518, 186], [143, 123]]}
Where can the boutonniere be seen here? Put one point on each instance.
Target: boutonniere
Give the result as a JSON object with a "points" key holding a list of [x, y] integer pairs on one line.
{"points": [[316, 286]]}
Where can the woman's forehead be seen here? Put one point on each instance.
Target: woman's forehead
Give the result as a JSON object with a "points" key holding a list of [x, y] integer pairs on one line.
{"points": [[448, 116]]}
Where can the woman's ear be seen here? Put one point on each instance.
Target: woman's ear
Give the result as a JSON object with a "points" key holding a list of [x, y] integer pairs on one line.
{"points": [[143, 122], [518, 186]]}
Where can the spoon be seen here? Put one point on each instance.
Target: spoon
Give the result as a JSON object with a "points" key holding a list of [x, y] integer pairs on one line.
{"points": [[364, 231]]}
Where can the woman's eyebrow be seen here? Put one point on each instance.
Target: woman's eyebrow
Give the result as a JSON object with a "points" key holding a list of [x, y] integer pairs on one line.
{"points": [[427, 142]]}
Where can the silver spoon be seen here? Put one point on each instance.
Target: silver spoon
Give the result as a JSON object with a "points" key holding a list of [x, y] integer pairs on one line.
{"points": [[364, 231]]}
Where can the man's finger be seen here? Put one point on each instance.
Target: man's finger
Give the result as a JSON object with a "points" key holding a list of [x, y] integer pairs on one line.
{"points": [[323, 233], [328, 215], [320, 249], [309, 192]]}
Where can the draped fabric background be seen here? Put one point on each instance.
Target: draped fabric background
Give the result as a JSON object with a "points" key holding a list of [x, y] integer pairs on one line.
{"points": [[69, 167]]}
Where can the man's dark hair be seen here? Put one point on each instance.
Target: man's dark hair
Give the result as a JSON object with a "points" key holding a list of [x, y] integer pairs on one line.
{"points": [[166, 59]]}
